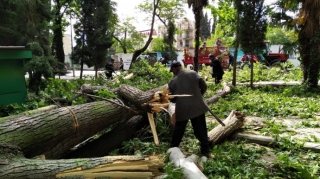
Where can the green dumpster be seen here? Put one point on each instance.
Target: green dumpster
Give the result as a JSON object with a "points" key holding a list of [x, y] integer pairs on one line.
{"points": [[12, 81]]}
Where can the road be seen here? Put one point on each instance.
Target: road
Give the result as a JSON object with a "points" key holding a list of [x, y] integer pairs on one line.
{"points": [[70, 76]]}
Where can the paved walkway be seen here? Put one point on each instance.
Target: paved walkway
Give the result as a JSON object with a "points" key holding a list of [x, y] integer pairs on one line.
{"points": [[76, 74]]}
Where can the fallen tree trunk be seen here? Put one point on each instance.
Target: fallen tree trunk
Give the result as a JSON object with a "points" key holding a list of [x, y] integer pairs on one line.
{"points": [[223, 92], [54, 132], [108, 142], [190, 169], [272, 83], [267, 141], [112, 166]]}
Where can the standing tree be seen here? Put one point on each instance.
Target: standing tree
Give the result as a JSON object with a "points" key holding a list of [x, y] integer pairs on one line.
{"points": [[100, 33], [224, 15], [167, 10], [94, 33], [253, 27], [204, 27], [197, 7], [127, 36], [308, 26], [139, 51], [60, 7], [169, 40], [23, 22]]}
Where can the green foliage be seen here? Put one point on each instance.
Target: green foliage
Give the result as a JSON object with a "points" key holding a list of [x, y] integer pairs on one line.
{"points": [[127, 37], [169, 40], [95, 30], [232, 159], [287, 38], [147, 77], [227, 19], [288, 163], [205, 27], [252, 21], [13, 109], [23, 22], [158, 45], [172, 172], [264, 73], [235, 160], [39, 65]]}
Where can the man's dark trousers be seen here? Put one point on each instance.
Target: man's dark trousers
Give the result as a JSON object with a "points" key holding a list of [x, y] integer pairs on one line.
{"points": [[199, 129]]}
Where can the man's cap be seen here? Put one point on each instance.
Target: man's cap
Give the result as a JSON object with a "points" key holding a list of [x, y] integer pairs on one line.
{"points": [[175, 64]]}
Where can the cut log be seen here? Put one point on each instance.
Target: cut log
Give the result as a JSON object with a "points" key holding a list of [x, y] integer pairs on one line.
{"points": [[134, 95], [106, 143], [110, 166], [190, 170], [269, 141], [272, 83], [233, 122], [223, 92], [54, 132]]}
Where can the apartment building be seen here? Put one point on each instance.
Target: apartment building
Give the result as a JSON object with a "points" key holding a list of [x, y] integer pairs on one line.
{"points": [[185, 38]]}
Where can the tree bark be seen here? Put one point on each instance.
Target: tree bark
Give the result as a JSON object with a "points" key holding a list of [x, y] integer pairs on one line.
{"points": [[54, 132], [269, 141], [233, 122], [108, 142], [112, 166]]}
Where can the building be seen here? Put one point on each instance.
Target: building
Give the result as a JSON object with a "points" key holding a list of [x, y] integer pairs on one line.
{"points": [[184, 39], [67, 48], [187, 36], [145, 34]]}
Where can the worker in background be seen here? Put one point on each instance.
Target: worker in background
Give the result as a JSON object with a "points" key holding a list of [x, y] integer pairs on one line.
{"points": [[217, 70], [218, 42], [203, 45], [109, 68]]}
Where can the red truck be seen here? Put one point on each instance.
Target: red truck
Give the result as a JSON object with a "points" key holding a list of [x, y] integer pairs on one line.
{"points": [[203, 58], [268, 58]]}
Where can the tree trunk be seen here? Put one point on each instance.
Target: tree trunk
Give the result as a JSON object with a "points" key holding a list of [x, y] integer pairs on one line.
{"points": [[139, 51], [57, 43], [16, 166], [54, 132], [269, 141], [197, 16], [108, 142], [190, 169], [233, 122]]}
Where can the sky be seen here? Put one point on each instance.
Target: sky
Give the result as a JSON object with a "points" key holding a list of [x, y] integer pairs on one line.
{"points": [[127, 8]]}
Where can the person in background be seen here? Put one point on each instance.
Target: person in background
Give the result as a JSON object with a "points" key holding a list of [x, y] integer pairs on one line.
{"points": [[219, 42], [203, 45], [121, 64], [230, 60], [217, 70], [193, 107], [109, 68]]}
